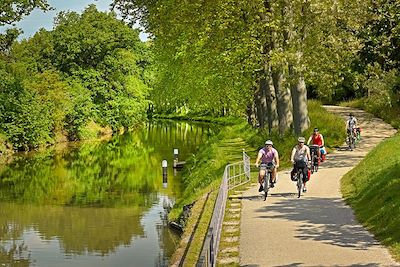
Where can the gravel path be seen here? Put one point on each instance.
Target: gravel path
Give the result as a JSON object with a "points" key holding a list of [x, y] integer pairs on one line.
{"points": [[318, 229]]}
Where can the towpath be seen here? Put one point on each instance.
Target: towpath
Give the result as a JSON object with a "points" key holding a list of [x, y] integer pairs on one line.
{"points": [[318, 229]]}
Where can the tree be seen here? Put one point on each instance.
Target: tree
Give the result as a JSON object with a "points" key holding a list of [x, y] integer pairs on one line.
{"points": [[90, 69], [13, 10]]}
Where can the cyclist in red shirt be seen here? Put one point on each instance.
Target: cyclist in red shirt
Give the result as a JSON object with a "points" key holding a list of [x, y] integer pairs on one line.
{"points": [[318, 139]]}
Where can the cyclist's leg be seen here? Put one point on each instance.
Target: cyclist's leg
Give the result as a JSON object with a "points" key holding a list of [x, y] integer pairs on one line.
{"points": [[261, 175], [323, 153], [274, 175], [305, 175], [296, 169], [292, 174]]}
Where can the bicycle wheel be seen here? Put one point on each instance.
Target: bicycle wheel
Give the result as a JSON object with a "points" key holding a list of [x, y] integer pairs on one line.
{"points": [[299, 183], [266, 183], [316, 164], [351, 144]]}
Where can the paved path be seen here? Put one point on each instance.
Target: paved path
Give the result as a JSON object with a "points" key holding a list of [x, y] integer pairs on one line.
{"points": [[318, 229]]}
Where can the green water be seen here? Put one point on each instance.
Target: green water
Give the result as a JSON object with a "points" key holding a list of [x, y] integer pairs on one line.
{"points": [[95, 204]]}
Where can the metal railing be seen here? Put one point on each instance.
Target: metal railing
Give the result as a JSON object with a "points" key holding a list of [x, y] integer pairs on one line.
{"points": [[235, 175]]}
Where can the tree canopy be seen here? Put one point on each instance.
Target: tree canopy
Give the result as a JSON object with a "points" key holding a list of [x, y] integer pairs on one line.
{"points": [[14, 10], [91, 68]]}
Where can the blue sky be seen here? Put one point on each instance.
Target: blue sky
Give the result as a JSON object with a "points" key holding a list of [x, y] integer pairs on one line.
{"points": [[39, 19]]}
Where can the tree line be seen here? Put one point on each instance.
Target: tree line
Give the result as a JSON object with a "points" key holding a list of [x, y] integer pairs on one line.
{"points": [[90, 73], [260, 58], [264, 58]]}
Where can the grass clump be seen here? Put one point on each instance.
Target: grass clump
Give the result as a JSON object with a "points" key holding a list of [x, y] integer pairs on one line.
{"points": [[372, 190]]}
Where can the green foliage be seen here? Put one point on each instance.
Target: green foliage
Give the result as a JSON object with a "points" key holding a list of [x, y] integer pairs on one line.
{"points": [[23, 118], [105, 55], [90, 67], [7, 39], [330, 126], [371, 188], [84, 41], [54, 97], [13, 10], [82, 109], [380, 36], [205, 60], [383, 98], [36, 53]]}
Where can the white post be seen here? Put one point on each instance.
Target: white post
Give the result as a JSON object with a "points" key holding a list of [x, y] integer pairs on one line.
{"points": [[164, 165]]}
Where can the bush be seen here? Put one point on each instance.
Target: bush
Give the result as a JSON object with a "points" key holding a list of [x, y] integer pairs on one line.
{"points": [[23, 118]]}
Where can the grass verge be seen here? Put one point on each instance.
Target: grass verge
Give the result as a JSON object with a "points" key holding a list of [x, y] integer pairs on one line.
{"points": [[372, 190]]}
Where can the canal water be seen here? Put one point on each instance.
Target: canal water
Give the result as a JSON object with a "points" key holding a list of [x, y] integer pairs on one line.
{"points": [[95, 204]]}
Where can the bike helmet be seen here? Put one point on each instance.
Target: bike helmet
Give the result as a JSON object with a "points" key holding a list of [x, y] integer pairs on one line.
{"points": [[316, 130], [351, 114], [268, 142], [301, 139]]}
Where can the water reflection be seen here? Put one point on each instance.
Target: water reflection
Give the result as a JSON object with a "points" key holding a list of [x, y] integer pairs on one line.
{"points": [[96, 204]]}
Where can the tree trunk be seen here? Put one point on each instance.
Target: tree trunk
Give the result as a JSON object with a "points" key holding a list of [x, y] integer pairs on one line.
{"points": [[260, 110], [271, 109], [251, 116], [283, 101], [301, 121], [263, 103]]}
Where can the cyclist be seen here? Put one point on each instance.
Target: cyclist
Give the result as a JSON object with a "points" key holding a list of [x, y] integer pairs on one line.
{"points": [[318, 139], [300, 157], [266, 155], [351, 124]]}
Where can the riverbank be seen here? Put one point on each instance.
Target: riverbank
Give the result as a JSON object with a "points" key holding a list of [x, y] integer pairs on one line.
{"points": [[6, 151]]}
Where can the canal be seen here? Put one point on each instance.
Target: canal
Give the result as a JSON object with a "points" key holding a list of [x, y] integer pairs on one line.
{"points": [[97, 203]]}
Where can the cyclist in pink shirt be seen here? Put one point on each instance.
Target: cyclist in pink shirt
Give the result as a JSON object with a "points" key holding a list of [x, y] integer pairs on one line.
{"points": [[266, 155]]}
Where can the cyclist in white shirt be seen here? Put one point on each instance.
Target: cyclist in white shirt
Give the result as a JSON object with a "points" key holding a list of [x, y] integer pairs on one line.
{"points": [[351, 124]]}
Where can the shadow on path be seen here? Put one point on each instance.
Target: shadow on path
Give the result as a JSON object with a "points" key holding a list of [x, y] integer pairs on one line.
{"points": [[325, 220], [298, 264], [261, 196]]}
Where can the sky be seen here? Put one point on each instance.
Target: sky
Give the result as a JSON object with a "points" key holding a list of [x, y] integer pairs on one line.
{"points": [[39, 19]]}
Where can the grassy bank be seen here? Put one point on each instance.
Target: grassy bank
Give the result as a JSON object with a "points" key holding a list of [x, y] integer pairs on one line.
{"points": [[372, 190]]}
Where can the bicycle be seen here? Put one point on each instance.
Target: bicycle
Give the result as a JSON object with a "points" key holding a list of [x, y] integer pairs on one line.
{"points": [[299, 177], [358, 133], [351, 139], [314, 158], [268, 167]]}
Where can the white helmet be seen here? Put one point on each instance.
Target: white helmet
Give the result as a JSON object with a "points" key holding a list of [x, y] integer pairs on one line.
{"points": [[268, 142], [301, 139]]}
